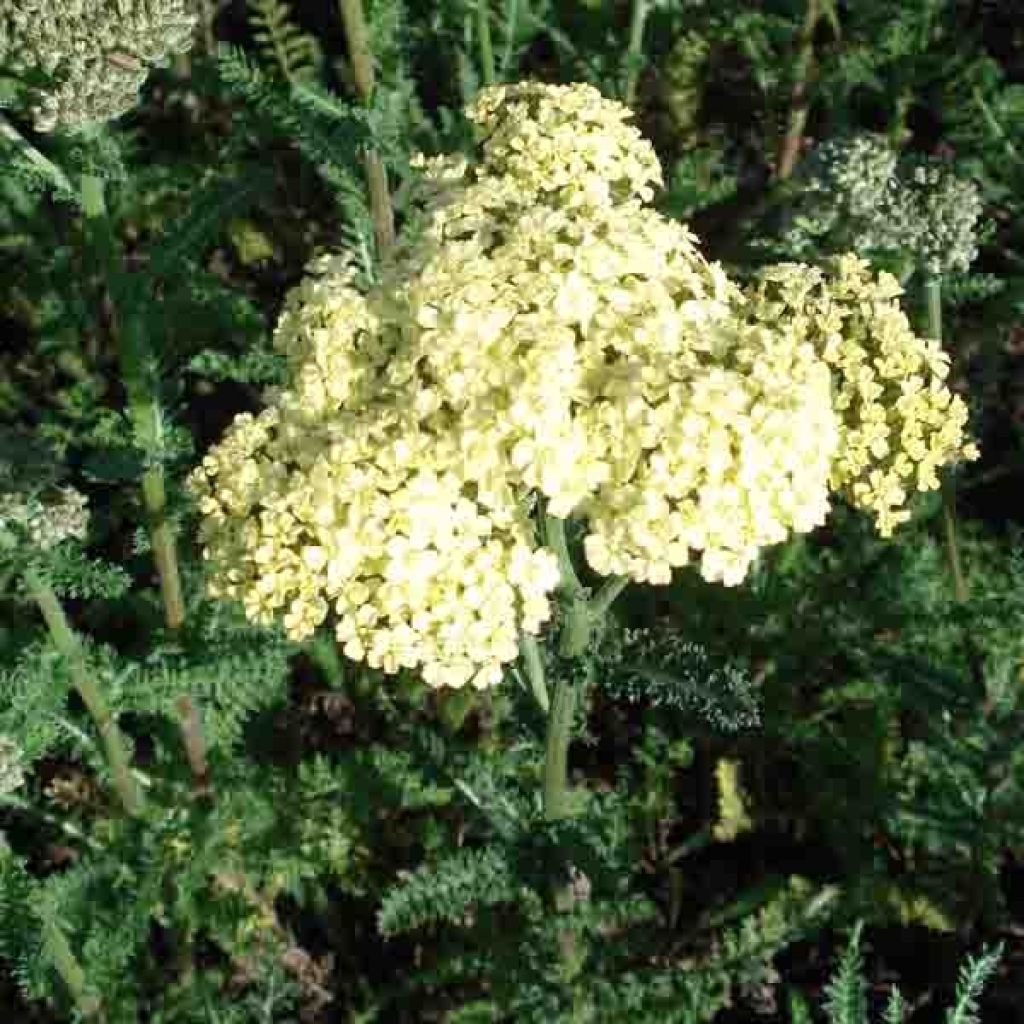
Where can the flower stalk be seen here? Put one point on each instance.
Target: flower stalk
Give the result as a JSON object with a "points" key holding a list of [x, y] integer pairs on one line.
{"points": [[799, 103], [65, 963], [635, 50], [357, 37], [488, 74], [70, 647], [145, 411]]}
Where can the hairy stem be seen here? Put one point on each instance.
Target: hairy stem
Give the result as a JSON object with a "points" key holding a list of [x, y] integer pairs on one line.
{"points": [[635, 49], [606, 596], [58, 951], [195, 742], [556, 750], [555, 538], [488, 75], [358, 40], [789, 148], [67, 643], [530, 651], [144, 408]]}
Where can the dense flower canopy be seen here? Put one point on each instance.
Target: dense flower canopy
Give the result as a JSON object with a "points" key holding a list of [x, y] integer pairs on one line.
{"points": [[542, 337], [93, 55]]}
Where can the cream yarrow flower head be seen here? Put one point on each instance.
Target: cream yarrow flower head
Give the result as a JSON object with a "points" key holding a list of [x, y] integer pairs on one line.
{"points": [[540, 336], [900, 423], [94, 54]]}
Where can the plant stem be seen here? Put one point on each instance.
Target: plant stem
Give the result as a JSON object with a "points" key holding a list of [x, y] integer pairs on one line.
{"points": [[933, 307], [488, 74], [556, 750], [789, 149], [65, 963], [605, 597], [354, 20], [635, 50], [511, 34], [555, 538], [144, 408], [67, 643], [530, 650], [195, 743]]}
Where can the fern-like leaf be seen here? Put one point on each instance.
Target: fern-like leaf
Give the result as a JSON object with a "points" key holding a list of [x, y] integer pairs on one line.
{"points": [[974, 975], [447, 891], [282, 42], [846, 994]]}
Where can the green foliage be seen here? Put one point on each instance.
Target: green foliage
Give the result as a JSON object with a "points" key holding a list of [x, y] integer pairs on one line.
{"points": [[282, 42], [321, 841], [447, 891], [846, 994]]}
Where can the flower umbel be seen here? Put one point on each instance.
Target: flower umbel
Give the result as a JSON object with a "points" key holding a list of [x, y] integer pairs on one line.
{"points": [[541, 334]]}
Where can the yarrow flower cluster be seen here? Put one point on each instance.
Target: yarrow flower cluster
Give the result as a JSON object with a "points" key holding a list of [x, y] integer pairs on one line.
{"points": [[542, 337], [43, 523], [860, 195], [900, 423], [94, 55]]}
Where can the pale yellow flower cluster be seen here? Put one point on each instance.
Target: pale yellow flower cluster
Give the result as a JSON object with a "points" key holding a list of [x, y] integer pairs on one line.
{"points": [[900, 423], [542, 335]]}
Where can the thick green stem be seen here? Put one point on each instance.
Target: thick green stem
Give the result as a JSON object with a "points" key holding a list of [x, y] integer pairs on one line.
{"points": [[165, 553], [511, 34], [361, 57], [65, 963], [933, 307], [67, 643], [144, 408], [799, 105], [530, 651], [488, 75], [635, 50], [602, 601], [556, 750], [556, 539]]}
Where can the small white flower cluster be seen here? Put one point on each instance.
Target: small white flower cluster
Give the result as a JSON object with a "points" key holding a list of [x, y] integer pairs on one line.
{"points": [[859, 195], [43, 524], [95, 53]]}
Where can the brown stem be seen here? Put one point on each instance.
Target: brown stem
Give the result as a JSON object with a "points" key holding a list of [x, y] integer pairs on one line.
{"points": [[361, 57], [799, 105], [195, 743]]}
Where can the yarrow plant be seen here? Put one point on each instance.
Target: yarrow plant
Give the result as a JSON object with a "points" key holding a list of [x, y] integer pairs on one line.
{"points": [[859, 193], [544, 345], [85, 60]]}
